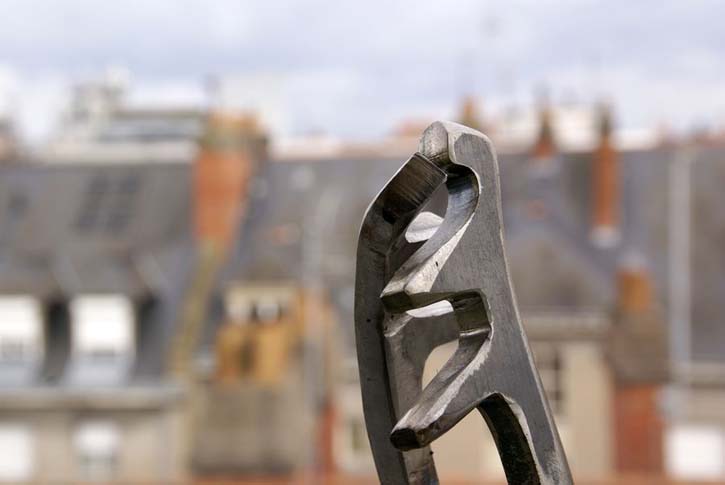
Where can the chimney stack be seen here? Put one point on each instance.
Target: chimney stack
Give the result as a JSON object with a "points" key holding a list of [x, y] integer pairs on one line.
{"points": [[545, 146], [230, 149], [605, 185], [469, 115], [639, 357]]}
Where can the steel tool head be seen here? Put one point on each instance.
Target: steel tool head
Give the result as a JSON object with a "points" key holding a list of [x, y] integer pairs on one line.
{"points": [[422, 281]]}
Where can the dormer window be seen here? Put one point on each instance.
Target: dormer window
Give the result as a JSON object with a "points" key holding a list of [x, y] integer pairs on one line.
{"points": [[695, 452], [550, 366], [21, 335], [97, 446], [239, 309], [102, 338], [17, 454], [257, 305], [268, 310]]}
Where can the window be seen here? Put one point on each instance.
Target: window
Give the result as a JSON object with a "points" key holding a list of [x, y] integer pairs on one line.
{"points": [[352, 448], [239, 308], [20, 330], [88, 214], [16, 452], [268, 310], [102, 326], [245, 308], [358, 437], [13, 350], [549, 364], [103, 337], [107, 204], [97, 448], [120, 212], [695, 452]]}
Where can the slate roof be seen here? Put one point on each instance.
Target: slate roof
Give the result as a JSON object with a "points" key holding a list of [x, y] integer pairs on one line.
{"points": [[67, 230], [299, 206], [302, 225], [708, 253], [125, 228]]}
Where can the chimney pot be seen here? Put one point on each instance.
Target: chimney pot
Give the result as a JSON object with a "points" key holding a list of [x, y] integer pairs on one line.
{"points": [[605, 186], [545, 146]]}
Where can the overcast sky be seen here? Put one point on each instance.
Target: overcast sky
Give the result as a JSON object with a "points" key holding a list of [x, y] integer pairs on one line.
{"points": [[357, 68]]}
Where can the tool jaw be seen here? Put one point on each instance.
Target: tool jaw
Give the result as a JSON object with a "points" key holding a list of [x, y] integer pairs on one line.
{"points": [[460, 266]]}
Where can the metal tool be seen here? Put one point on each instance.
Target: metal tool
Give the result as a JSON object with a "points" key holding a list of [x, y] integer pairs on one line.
{"points": [[422, 281]]}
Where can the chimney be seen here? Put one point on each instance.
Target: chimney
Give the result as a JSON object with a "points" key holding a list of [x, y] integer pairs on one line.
{"points": [[230, 149], [469, 114], [605, 185], [545, 146], [637, 349]]}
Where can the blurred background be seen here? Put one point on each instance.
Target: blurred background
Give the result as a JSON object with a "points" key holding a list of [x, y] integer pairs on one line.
{"points": [[181, 186]]}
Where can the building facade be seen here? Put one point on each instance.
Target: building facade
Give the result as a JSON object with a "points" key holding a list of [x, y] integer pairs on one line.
{"points": [[161, 320], [94, 260]]}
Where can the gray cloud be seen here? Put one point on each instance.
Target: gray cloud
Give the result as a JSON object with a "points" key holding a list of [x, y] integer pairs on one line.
{"points": [[359, 67]]}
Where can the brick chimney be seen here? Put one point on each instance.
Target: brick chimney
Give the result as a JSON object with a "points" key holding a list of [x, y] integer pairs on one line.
{"points": [[469, 114], [229, 151], [545, 146], [605, 185], [639, 357]]}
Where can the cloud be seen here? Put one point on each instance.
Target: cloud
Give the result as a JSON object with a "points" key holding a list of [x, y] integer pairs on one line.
{"points": [[357, 68]]}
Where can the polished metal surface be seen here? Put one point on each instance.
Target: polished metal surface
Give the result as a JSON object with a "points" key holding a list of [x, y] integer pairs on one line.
{"points": [[423, 280]]}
